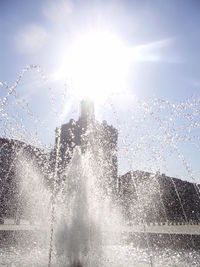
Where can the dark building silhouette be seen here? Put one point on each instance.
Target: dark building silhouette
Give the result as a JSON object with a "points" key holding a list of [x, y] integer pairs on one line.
{"points": [[143, 196], [158, 198], [87, 132], [12, 200]]}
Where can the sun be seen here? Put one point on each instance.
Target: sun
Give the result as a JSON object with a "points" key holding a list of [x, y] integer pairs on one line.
{"points": [[96, 64]]}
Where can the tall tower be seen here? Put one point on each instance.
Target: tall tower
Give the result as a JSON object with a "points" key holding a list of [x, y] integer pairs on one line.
{"points": [[87, 110], [88, 132]]}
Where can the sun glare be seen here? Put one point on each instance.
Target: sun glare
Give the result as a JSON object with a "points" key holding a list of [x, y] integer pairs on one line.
{"points": [[97, 65]]}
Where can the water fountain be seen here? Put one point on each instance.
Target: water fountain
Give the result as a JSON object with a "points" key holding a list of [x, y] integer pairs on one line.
{"points": [[77, 230], [86, 219]]}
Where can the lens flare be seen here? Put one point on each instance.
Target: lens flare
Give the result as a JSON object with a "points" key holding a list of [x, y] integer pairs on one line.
{"points": [[97, 65]]}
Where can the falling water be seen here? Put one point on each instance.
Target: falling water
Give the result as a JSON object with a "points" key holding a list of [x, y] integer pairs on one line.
{"points": [[81, 223], [78, 228]]}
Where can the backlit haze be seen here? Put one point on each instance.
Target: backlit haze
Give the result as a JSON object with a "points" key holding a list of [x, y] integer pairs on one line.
{"points": [[118, 53], [97, 64]]}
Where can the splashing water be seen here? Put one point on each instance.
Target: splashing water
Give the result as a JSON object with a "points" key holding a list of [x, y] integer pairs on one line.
{"points": [[86, 222], [85, 213], [75, 233]]}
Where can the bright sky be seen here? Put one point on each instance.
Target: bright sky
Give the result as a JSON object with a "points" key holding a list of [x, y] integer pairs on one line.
{"points": [[164, 62]]}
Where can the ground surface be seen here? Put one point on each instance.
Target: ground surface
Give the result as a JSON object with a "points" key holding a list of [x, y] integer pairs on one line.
{"points": [[112, 256]]}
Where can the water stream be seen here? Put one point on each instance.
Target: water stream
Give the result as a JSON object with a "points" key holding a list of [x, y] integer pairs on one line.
{"points": [[81, 222]]}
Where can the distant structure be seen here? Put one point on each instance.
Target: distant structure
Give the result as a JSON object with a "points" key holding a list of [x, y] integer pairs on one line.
{"points": [[12, 155], [155, 197], [143, 196], [87, 132]]}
